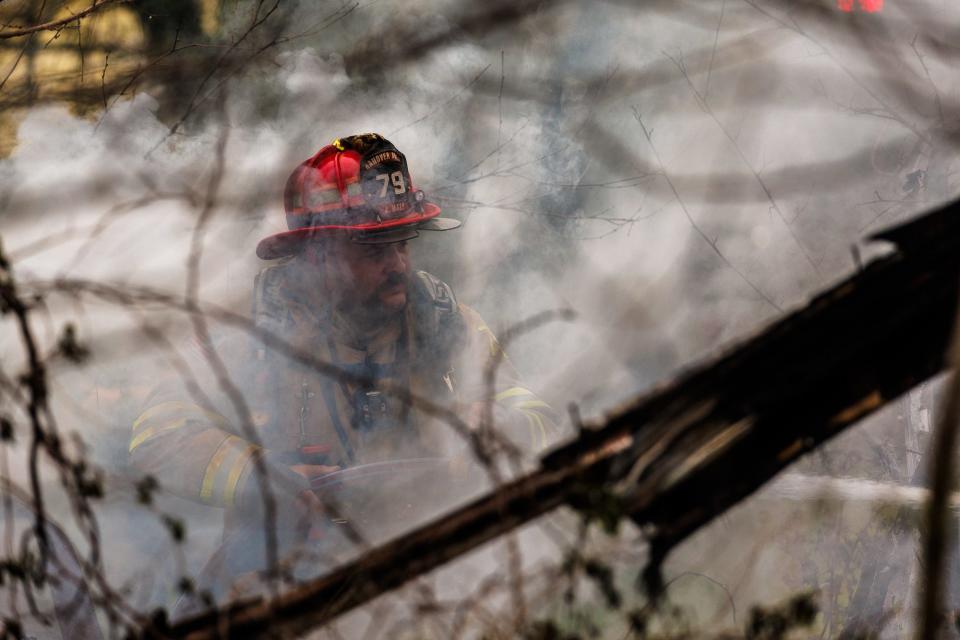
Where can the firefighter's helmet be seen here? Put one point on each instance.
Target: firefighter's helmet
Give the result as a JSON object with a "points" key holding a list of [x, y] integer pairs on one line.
{"points": [[359, 185]]}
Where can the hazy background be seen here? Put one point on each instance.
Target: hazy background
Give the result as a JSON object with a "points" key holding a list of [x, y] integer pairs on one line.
{"points": [[677, 173]]}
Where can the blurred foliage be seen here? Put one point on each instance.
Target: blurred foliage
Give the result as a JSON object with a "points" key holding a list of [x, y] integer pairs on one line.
{"points": [[86, 64]]}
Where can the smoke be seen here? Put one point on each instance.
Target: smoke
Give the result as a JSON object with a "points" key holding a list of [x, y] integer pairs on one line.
{"points": [[678, 176]]}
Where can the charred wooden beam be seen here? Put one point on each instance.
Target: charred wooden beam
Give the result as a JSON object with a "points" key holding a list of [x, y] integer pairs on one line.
{"points": [[801, 381], [687, 451]]}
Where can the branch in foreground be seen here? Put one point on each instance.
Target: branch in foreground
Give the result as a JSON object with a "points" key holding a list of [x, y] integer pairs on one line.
{"points": [[57, 25], [698, 444]]}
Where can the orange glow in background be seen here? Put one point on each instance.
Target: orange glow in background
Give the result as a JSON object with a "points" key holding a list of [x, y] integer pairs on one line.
{"points": [[869, 6]]}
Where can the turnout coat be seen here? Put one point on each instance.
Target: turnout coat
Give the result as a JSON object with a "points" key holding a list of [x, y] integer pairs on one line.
{"points": [[194, 438]]}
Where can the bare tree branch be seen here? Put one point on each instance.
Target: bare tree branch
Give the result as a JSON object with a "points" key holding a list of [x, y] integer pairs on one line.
{"points": [[57, 25]]}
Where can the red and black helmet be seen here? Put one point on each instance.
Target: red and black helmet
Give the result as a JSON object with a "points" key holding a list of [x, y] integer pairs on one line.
{"points": [[359, 185]]}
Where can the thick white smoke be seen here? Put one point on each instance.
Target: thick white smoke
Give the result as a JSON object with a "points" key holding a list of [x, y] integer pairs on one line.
{"points": [[677, 176]]}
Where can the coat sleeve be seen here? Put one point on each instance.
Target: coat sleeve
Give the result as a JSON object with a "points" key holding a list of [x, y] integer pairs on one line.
{"points": [[518, 412], [195, 451]]}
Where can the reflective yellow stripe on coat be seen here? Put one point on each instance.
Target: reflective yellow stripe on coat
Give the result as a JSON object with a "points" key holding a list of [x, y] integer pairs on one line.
{"points": [[527, 403], [169, 416], [223, 472]]}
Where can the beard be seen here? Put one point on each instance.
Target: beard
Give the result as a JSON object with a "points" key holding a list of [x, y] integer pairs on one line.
{"points": [[373, 310]]}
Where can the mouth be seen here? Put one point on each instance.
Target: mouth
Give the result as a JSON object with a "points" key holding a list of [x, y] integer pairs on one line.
{"points": [[394, 293]]}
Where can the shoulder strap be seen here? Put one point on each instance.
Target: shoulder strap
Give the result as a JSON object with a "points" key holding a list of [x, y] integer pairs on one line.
{"points": [[269, 309], [439, 324], [437, 292], [272, 300]]}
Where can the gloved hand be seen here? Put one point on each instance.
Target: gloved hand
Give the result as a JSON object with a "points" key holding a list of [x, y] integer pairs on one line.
{"points": [[312, 505], [296, 506]]}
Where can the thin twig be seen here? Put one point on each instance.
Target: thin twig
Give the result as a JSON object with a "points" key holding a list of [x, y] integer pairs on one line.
{"points": [[712, 243], [57, 25]]}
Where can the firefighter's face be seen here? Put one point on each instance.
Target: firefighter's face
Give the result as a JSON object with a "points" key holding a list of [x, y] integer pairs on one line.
{"points": [[372, 277]]}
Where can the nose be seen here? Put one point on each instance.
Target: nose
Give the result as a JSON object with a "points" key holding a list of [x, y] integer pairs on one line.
{"points": [[396, 259]]}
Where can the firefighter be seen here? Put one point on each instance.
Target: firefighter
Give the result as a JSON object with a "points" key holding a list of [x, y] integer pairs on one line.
{"points": [[341, 291]]}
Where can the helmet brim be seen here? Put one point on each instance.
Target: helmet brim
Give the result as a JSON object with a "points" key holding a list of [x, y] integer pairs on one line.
{"points": [[439, 224], [287, 243]]}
